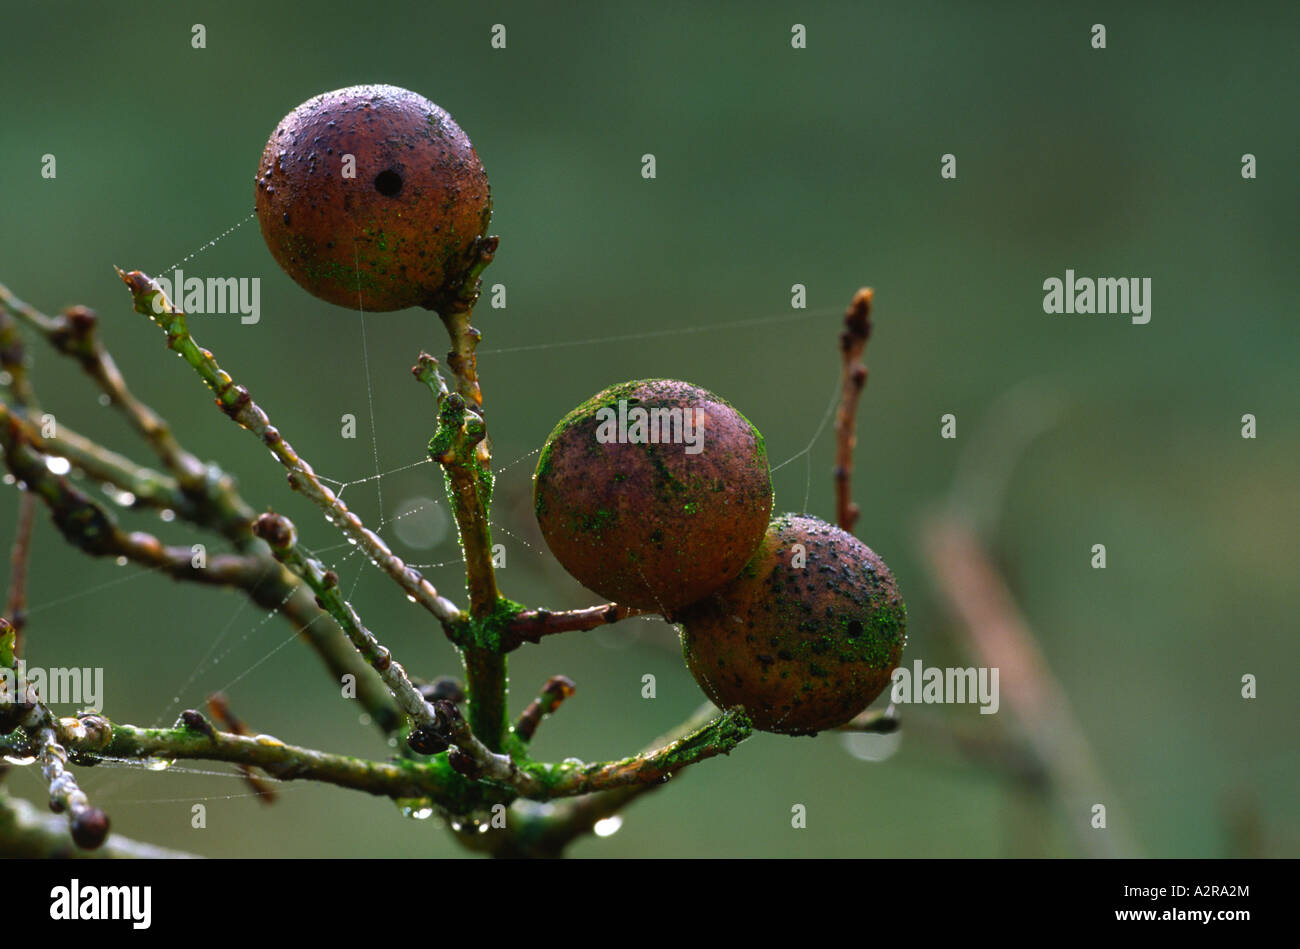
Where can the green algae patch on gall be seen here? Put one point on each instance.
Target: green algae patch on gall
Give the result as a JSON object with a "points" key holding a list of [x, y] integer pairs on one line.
{"points": [[373, 197], [806, 637], [653, 493]]}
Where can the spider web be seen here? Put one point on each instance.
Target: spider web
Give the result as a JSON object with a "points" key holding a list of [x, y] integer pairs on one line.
{"points": [[239, 628]]}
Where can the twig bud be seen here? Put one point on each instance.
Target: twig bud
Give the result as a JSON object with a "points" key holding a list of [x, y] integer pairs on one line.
{"points": [[90, 828]]}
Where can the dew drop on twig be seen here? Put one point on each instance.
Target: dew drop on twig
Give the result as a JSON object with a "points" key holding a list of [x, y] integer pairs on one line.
{"points": [[608, 826]]}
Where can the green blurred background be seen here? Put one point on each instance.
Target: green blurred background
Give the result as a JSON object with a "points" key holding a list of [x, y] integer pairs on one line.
{"points": [[775, 166]]}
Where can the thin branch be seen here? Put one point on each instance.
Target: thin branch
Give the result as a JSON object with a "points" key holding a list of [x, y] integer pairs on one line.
{"points": [[461, 447], [442, 779], [19, 558], [13, 354], [27, 833], [469, 489], [529, 626], [329, 641], [426, 372], [207, 496], [88, 825], [546, 833], [401, 778], [26, 312], [455, 446], [877, 721], [553, 694], [13, 360], [464, 338], [149, 488], [236, 402], [476, 761], [220, 708], [718, 737], [1001, 639], [853, 340], [75, 333], [541, 781], [88, 526], [282, 537], [485, 686]]}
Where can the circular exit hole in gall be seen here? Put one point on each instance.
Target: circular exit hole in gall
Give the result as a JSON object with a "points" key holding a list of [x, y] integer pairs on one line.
{"points": [[388, 183]]}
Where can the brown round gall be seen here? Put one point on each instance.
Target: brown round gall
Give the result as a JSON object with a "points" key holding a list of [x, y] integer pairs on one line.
{"points": [[805, 637], [653, 493], [372, 197]]}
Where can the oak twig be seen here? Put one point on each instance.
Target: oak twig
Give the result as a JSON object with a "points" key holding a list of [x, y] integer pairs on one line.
{"points": [[13, 354], [281, 536], [719, 736], [461, 446], [853, 340], [529, 626], [464, 338], [87, 525], [474, 770], [220, 708], [26, 833], [210, 502], [75, 334], [547, 832], [236, 402], [19, 557], [88, 825], [553, 694], [878, 721]]}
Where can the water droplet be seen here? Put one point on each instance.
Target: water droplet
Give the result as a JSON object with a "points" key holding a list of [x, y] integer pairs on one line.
{"points": [[867, 746], [607, 827], [118, 496], [415, 808], [57, 466], [167, 515]]}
